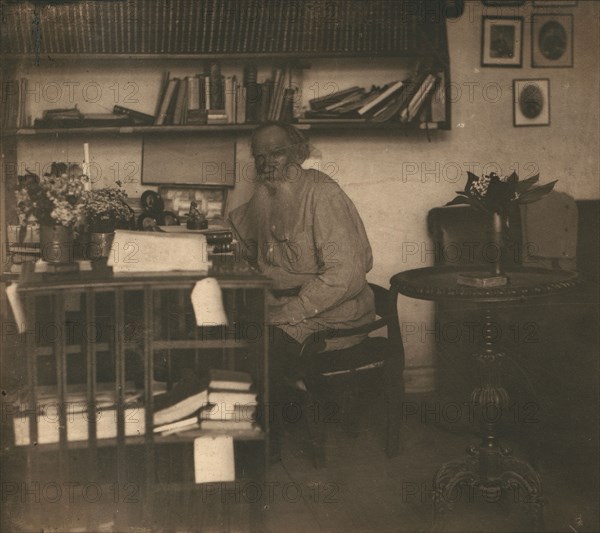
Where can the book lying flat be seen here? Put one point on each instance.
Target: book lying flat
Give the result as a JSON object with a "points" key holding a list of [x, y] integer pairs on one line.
{"points": [[238, 413], [227, 399], [179, 425], [183, 400], [229, 380], [480, 280], [228, 425]]}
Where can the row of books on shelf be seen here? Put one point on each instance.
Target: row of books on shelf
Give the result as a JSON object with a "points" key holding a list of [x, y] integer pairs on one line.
{"points": [[212, 98], [220, 26], [224, 403], [420, 97]]}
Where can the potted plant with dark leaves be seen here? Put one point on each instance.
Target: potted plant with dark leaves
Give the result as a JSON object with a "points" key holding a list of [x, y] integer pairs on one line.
{"points": [[105, 211], [56, 202], [497, 195]]}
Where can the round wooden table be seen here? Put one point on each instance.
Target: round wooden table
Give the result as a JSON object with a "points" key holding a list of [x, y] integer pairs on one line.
{"points": [[489, 467]]}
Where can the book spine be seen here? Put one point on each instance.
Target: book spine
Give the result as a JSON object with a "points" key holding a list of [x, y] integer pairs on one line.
{"points": [[155, 17], [229, 99], [193, 93], [226, 21], [252, 93], [205, 26], [213, 20], [220, 26], [221, 237], [191, 46], [125, 33], [256, 38], [161, 93]]}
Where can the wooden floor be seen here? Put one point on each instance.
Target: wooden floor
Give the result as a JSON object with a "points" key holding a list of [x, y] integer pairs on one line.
{"points": [[359, 489]]}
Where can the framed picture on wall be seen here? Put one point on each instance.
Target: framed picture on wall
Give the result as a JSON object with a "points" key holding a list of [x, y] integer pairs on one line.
{"points": [[552, 40], [554, 3], [531, 106], [502, 41]]}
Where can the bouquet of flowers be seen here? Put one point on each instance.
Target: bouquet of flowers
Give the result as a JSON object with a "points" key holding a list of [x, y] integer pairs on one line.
{"points": [[56, 199], [106, 209], [496, 194]]}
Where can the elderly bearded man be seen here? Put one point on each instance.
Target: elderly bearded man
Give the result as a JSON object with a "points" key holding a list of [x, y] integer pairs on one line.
{"points": [[301, 230]]}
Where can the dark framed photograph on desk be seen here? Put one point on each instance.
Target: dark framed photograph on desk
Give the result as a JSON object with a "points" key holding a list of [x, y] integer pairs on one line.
{"points": [[552, 40], [531, 106], [502, 41]]}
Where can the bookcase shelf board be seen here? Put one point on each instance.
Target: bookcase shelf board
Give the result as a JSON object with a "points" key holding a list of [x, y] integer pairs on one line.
{"points": [[324, 125], [302, 57]]}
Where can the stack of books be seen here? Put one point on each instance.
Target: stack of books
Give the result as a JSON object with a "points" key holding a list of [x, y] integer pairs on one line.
{"points": [[232, 404], [414, 99], [73, 118], [229, 404]]}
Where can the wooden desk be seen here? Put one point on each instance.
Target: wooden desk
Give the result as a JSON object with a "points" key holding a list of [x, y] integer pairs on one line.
{"points": [[154, 298]]}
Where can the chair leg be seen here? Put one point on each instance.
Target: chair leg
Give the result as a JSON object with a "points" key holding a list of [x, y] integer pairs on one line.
{"points": [[350, 413], [314, 425]]}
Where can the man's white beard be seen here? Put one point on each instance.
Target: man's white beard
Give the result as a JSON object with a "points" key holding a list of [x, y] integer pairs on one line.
{"points": [[278, 201]]}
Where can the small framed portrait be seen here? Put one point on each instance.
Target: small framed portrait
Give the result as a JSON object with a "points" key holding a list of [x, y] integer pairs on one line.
{"points": [[531, 106], [502, 42], [554, 3], [552, 40]]}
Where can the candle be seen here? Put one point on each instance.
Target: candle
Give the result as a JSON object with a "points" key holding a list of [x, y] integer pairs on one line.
{"points": [[86, 166]]}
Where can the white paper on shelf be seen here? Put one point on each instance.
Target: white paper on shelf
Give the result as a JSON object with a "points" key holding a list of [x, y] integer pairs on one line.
{"points": [[207, 301], [214, 459]]}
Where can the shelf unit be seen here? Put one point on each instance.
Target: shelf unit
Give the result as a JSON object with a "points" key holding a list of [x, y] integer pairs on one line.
{"points": [[151, 299], [244, 30]]}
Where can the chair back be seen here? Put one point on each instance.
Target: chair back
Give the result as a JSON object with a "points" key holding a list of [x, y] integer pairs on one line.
{"points": [[550, 231]]}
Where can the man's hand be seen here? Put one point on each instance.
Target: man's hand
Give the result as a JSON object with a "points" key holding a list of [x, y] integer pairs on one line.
{"points": [[274, 309]]}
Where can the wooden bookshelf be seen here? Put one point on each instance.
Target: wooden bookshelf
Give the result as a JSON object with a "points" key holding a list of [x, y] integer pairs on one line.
{"points": [[306, 125]]}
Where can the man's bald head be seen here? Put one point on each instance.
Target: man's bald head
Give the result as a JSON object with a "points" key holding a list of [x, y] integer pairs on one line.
{"points": [[281, 136]]}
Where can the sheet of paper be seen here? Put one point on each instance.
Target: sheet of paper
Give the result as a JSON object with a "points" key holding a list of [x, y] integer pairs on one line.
{"points": [[207, 301], [214, 459], [139, 251]]}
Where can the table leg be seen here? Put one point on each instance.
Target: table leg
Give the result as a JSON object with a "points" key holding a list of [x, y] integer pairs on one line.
{"points": [[489, 468]]}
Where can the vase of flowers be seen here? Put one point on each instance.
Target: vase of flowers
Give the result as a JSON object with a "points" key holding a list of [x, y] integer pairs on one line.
{"points": [[105, 211], [55, 201], [496, 196]]}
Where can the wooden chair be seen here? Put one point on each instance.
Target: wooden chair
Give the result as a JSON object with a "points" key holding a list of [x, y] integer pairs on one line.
{"points": [[375, 365]]}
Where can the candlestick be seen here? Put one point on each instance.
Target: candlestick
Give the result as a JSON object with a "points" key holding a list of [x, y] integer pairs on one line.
{"points": [[86, 166]]}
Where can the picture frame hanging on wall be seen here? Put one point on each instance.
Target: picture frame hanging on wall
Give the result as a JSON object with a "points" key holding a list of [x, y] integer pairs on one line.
{"points": [[531, 106], [552, 40], [502, 41]]}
